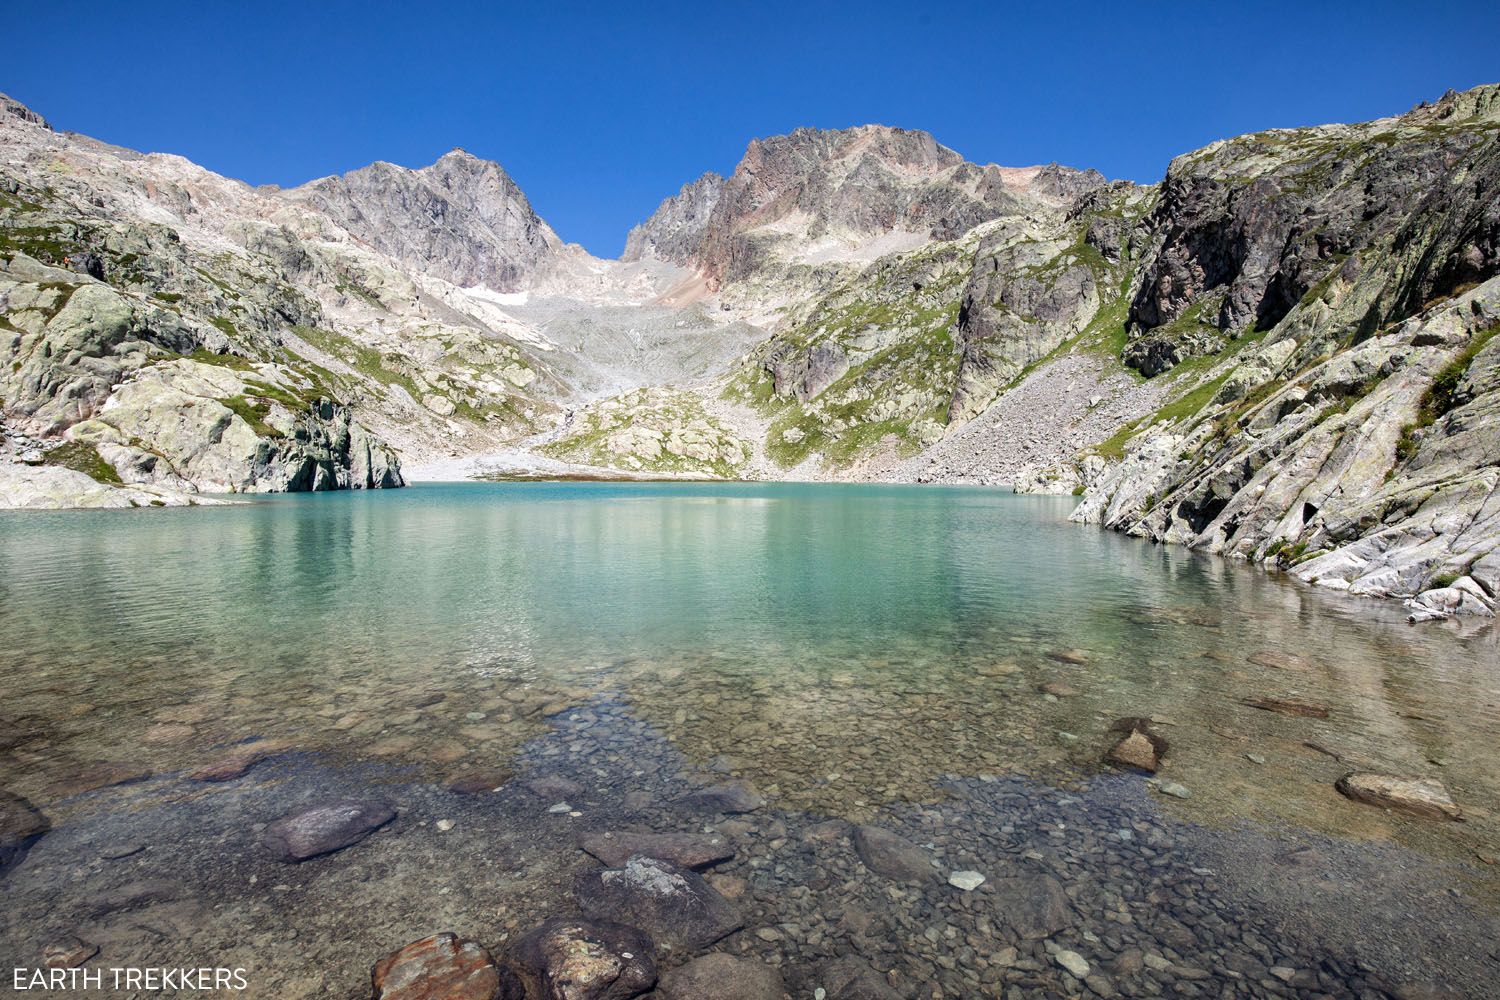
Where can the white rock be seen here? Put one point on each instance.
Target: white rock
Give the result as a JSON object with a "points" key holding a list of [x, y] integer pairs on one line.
{"points": [[968, 881]]}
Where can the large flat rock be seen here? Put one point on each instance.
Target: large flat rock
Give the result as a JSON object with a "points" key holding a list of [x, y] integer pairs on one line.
{"points": [[323, 829], [890, 854], [686, 850], [673, 905], [722, 977]]}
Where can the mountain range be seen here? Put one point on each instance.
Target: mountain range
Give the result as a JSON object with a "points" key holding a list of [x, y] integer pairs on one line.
{"points": [[1283, 351]]}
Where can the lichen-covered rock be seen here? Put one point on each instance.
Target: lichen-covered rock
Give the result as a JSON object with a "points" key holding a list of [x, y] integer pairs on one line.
{"points": [[686, 850], [673, 905], [572, 959]]}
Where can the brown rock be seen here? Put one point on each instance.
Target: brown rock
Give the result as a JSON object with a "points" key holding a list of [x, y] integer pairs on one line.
{"points": [[239, 761], [722, 977], [1136, 750], [479, 782], [443, 967], [68, 953], [731, 887], [588, 960], [1424, 797], [687, 850], [1278, 660], [103, 775], [1288, 706]]}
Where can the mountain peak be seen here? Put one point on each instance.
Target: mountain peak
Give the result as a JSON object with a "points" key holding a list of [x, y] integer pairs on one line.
{"points": [[12, 108]]}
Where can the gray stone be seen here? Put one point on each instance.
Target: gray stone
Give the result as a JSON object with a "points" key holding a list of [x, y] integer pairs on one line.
{"points": [[892, 855], [686, 850], [325, 828], [673, 905], [722, 977]]}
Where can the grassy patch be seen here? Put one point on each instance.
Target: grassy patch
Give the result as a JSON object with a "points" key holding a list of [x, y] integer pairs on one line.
{"points": [[82, 457], [254, 413]]}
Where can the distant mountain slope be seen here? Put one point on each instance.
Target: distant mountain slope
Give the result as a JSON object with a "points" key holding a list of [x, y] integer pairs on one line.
{"points": [[461, 219]]}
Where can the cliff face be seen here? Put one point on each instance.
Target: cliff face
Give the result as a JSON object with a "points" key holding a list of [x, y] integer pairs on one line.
{"points": [[1336, 290], [675, 230]]}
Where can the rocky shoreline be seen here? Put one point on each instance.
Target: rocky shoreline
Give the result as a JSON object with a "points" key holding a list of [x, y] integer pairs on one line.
{"points": [[605, 866]]}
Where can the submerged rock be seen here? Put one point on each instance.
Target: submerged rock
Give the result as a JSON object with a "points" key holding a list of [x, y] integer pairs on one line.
{"points": [[722, 977], [735, 796], [573, 959], [68, 952], [325, 828], [850, 978], [479, 782], [687, 850], [1419, 796], [1288, 706], [444, 967], [1033, 906], [889, 854], [21, 825], [1141, 748], [673, 905], [554, 787], [1278, 660], [240, 761]]}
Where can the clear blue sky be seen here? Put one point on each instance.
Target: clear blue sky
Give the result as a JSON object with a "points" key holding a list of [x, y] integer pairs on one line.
{"points": [[601, 110]]}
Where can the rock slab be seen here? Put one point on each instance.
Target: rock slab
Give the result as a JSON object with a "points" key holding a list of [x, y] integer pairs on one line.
{"points": [[1424, 797], [686, 850], [325, 828], [889, 854], [21, 825]]}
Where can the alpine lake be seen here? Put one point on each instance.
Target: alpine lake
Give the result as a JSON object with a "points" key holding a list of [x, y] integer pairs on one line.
{"points": [[851, 692]]}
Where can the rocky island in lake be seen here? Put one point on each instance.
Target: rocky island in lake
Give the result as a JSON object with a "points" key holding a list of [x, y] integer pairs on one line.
{"points": [[892, 576]]}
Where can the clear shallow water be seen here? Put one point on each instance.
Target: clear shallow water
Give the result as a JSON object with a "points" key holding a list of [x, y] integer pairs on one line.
{"points": [[854, 651]]}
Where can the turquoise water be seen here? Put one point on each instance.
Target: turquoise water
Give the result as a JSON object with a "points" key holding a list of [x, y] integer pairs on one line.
{"points": [[258, 617], [852, 650]]}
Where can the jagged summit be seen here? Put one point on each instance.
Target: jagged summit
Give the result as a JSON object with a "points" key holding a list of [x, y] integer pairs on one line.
{"points": [[12, 108], [461, 218], [822, 195]]}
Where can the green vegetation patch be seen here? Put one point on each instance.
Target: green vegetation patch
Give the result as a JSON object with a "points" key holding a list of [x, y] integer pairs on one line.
{"points": [[83, 457], [253, 412]]}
